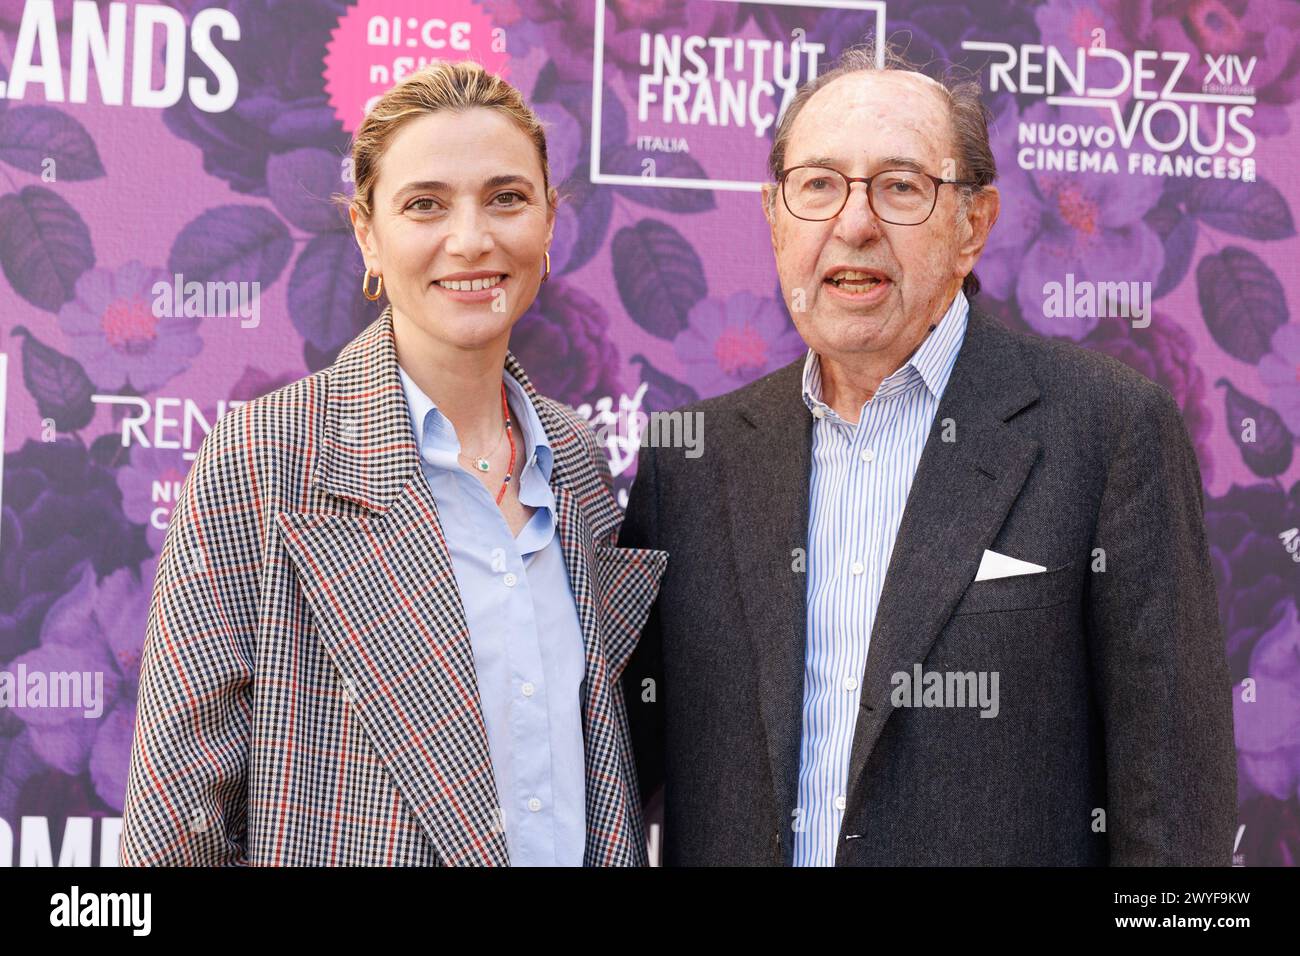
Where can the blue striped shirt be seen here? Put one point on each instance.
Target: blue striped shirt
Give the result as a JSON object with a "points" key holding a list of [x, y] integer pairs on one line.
{"points": [[861, 475]]}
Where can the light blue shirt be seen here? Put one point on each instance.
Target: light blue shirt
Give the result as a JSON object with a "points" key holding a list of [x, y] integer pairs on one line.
{"points": [[861, 475], [529, 659]]}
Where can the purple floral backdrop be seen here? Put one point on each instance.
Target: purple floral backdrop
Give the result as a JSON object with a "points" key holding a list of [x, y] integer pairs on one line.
{"points": [[659, 295]]}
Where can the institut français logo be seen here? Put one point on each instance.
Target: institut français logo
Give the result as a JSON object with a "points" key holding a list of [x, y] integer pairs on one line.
{"points": [[707, 96]]}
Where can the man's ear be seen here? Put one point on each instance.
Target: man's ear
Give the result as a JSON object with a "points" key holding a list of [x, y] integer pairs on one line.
{"points": [[767, 204], [980, 216], [769, 193]]}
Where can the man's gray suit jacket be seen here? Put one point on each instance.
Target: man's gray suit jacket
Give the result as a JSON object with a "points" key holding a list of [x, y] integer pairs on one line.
{"points": [[1113, 742]]}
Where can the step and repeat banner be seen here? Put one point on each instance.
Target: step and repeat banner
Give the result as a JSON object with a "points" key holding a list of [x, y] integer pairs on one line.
{"points": [[170, 251]]}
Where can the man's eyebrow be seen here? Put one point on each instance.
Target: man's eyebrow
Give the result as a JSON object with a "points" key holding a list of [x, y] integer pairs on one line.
{"points": [[817, 161], [901, 162], [889, 162]]}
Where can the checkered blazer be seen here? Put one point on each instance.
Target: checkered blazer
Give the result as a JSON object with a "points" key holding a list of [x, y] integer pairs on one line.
{"points": [[307, 690]]}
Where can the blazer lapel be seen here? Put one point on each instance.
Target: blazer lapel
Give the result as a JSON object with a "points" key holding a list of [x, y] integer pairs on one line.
{"points": [[959, 499], [383, 592], [612, 607], [767, 493]]}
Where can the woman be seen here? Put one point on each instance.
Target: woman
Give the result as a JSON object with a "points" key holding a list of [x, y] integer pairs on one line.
{"points": [[389, 616]]}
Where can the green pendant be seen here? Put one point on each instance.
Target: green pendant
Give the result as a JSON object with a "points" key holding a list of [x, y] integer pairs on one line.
{"points": [[482, 464]]}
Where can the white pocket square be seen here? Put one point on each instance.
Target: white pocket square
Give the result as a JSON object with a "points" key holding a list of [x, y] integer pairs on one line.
{"points": [[994, 565]]}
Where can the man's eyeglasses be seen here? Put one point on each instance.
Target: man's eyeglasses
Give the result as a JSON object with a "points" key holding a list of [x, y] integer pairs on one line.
{"points": [[902, 197]]}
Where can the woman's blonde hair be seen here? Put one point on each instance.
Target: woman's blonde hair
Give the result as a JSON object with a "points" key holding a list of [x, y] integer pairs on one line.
{"points": [[441, 85]]}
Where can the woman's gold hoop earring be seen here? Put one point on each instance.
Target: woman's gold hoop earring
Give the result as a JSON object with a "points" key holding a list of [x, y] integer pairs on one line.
{"points": [[547, 274], [365, 286]]}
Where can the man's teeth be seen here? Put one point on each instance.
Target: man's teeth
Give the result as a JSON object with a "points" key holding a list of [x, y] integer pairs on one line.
{"points": [[469, 285], [855, 281]]}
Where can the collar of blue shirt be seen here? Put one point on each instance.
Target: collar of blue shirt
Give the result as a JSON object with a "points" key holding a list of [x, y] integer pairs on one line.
{"points": [[931, 363], [435, 437]]}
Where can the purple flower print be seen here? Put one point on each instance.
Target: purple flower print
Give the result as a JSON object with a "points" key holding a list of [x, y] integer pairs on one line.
{"points": [[1268, 30], [563, 343], [165, 467], [565, 28], [1068, 24], [1271, 837], [113, 332], [255, 383], [282, 103], [728, 344], [1057, 224], [19, 765], [60, 509], [1279, 370], [97, 628], [1268, 726], [929, 33], [1252, 568]]}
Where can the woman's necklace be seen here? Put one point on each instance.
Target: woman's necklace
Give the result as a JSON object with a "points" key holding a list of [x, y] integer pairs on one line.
{"points": [[482, 463]]}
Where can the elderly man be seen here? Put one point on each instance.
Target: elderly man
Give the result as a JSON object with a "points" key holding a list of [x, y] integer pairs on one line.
{"points": [[939, 592]]}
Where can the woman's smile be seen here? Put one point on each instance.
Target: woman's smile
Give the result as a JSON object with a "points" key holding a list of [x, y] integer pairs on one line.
{"points": [[481, 286]]}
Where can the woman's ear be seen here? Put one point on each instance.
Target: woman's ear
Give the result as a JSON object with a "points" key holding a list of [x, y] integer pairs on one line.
{"points": [[365, 237]]}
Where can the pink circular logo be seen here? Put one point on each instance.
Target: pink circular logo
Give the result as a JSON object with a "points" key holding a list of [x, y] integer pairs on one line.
{"points": [[378, 43]]}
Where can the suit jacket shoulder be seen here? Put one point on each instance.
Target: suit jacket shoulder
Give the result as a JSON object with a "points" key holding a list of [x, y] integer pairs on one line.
{"points": [[1095, 401], [773, 388]]}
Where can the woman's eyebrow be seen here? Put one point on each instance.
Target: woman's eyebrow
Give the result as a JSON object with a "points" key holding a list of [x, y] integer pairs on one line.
{"points": [[508, 179], [492, 182]]}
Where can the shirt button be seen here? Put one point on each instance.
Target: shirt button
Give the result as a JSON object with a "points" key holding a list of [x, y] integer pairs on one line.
{"points": [[528, 689], [534, 804], [841, 803], [509, 580], [868, 455], [819, 412], [857, 567], [850, 683]]}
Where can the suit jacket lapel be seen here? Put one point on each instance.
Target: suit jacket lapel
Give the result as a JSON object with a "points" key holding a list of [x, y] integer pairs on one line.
{"points": [[767, 494], [960, 496], [384, 596]]}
